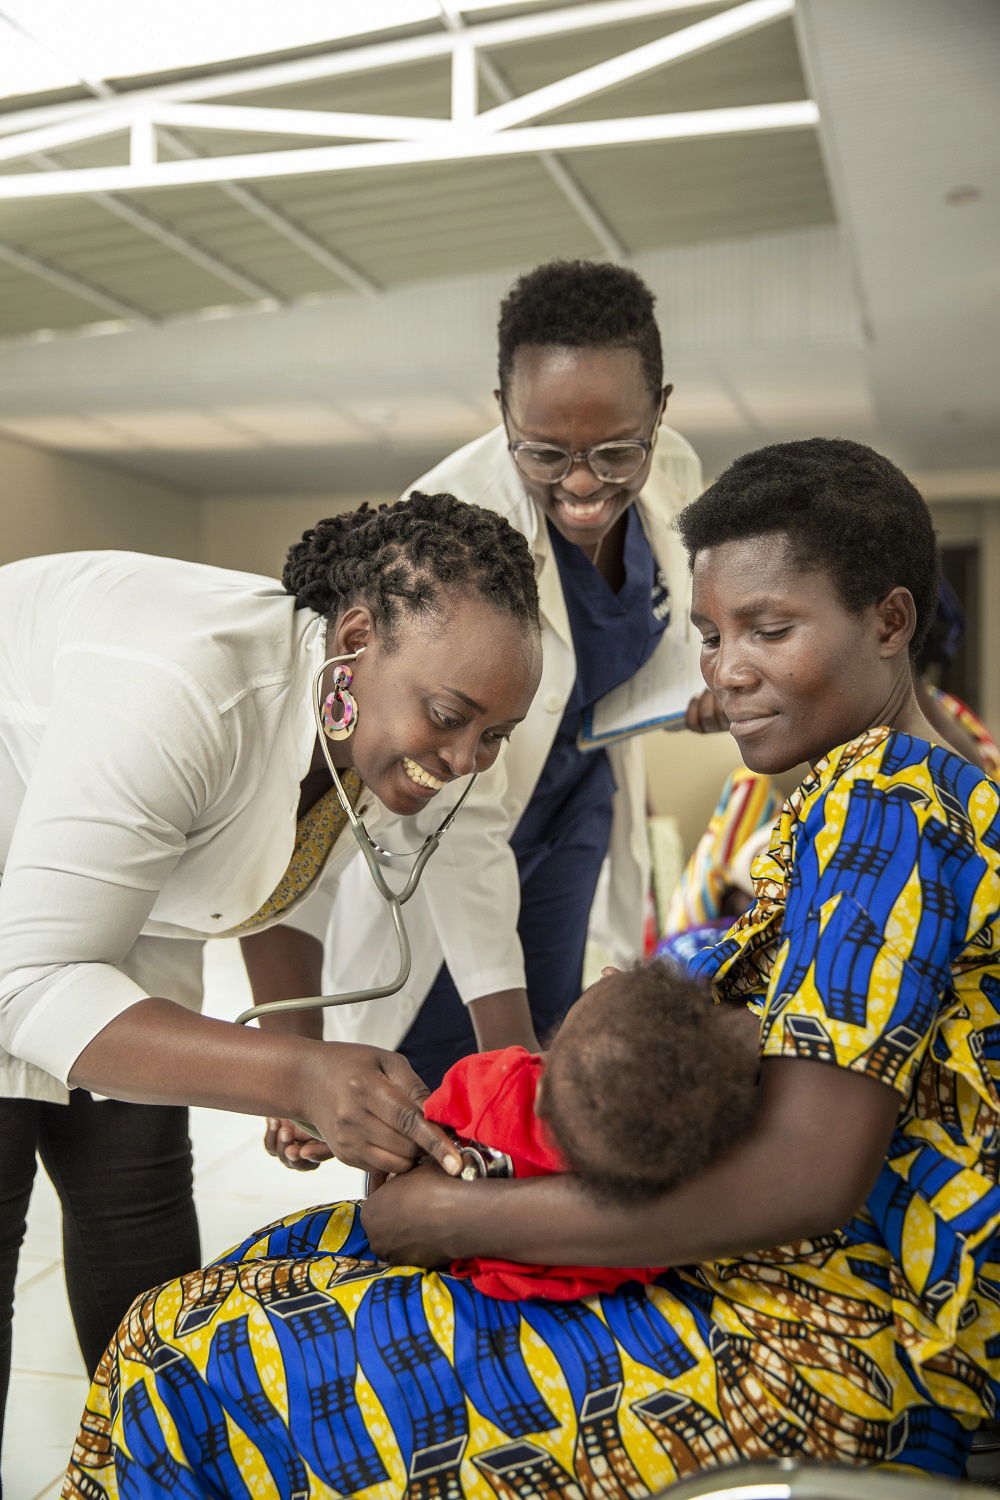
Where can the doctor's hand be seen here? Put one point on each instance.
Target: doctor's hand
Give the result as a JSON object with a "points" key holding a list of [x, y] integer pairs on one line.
{"points": [[294, 1147], [704, 714], [367, 1105]]}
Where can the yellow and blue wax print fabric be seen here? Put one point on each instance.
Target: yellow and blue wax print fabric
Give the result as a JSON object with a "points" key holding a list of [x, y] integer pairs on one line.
{"points": [[297, 1367]]}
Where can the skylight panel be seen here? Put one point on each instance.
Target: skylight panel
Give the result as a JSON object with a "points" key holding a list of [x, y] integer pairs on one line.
{"points": [[49, 44]]}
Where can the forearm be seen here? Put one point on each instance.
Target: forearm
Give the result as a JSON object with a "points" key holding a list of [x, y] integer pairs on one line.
{"points": [[503, 1020], [157, 1052], [737, 1206], [283, 963]]}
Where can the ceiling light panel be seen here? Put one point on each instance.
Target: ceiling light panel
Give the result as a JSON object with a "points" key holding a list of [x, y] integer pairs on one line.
{"points": [[181, 428], [298, 422], [80, 433]]}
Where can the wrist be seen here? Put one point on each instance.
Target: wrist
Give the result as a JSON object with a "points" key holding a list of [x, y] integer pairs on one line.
{"points": [[314, 1083], [503, 1019]]}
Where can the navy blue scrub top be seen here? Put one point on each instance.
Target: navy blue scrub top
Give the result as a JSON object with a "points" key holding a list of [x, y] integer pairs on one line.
{"points": [[614, 634]]}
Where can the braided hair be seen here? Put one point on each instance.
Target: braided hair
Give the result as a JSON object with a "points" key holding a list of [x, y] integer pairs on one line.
{"points": [[410, 558]]}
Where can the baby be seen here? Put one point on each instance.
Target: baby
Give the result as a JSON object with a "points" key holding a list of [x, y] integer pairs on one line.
{"points": [[646, 1083]]}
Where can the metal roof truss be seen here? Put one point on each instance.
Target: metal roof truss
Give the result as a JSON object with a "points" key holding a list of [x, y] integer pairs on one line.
{"points": [[139, 119]]}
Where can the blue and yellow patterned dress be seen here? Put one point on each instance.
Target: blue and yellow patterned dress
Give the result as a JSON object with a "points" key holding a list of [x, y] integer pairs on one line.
{"points": [[295, 1367]]}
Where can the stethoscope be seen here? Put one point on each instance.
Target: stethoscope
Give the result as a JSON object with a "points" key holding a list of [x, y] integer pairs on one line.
{"points": [[373, 852]]}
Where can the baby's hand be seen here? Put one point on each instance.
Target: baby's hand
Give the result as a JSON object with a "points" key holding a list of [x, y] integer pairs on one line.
{"points": [[294, 1147]]}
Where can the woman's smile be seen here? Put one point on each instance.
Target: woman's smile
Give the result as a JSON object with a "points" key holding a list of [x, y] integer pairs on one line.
{"points": [[587, 514], [421, 777]]}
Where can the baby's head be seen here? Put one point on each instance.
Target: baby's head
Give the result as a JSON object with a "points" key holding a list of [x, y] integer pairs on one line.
{"points": [[648, 1081]]}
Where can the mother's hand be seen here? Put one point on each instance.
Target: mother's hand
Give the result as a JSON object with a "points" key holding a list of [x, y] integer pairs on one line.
{"points": [[411, 1220], [367, 1104]]}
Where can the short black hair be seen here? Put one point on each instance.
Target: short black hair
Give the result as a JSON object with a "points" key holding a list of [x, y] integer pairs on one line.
{"points": [[581, 304], [410, 558], [653, 1088], [845, 511]]}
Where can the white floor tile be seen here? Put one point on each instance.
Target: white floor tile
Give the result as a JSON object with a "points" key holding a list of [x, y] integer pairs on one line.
{"points": [[44, 1341], [43, 1414], [44, 1233], [228, 1218], [31, 1267], [52, 1491], [217, 1136]]}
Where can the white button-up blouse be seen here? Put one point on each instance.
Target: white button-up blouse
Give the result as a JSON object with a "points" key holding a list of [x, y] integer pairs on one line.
{"points": [[155, 724]]}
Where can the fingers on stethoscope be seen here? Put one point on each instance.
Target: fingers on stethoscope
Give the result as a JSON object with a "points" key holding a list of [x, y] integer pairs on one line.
{"points": [[397, 1150]]}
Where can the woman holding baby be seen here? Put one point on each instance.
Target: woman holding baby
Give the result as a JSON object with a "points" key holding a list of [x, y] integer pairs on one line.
{"points": [[834, 1291]]}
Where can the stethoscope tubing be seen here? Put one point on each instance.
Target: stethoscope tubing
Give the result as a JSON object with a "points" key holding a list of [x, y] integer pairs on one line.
{"points": [[395, 900]]}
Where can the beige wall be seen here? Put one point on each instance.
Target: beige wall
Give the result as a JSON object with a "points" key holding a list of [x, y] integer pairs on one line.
{"points": [[54, 504], [252, 533], [686, 772]]}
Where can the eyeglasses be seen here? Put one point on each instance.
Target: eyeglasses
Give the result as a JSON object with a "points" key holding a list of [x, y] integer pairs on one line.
{"points": [[614, 462]]}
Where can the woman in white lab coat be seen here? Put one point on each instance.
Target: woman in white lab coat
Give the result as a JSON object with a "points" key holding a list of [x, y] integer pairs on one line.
{"points": [[162, 781]]}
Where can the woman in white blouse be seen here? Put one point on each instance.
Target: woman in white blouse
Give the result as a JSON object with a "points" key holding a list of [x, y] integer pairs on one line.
{"points": [[158, 753]]}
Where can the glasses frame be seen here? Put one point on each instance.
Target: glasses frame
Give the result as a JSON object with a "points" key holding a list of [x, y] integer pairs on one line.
{"points": [[584, 455]]}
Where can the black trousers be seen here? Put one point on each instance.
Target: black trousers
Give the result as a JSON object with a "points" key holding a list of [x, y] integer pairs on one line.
{"points": [[123, 1173]]}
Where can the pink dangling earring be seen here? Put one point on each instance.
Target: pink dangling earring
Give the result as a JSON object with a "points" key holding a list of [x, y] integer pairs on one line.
{"points": [[340, 708]]}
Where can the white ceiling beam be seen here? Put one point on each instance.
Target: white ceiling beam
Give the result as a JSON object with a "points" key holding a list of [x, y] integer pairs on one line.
{"points": [[248, 200], [464, 80], [127, 117], [142, 151], [75, 285], [738, 21], [583, 205], [457, 145], [189, 249], [155, 229], [248, 119], [281, 223], [560, 174], [97, 124], [352, 60]]}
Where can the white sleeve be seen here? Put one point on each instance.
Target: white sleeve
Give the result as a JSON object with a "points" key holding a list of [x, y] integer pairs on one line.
{"points": [[126, 764], [464, 913], [473, 893]]}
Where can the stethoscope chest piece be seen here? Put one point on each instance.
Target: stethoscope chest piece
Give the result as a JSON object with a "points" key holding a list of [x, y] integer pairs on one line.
{"points": [[480, 1160]]}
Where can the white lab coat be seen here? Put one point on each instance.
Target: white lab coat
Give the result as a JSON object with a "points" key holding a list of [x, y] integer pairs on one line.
{"points": [[466, 909], [155, 724]]}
